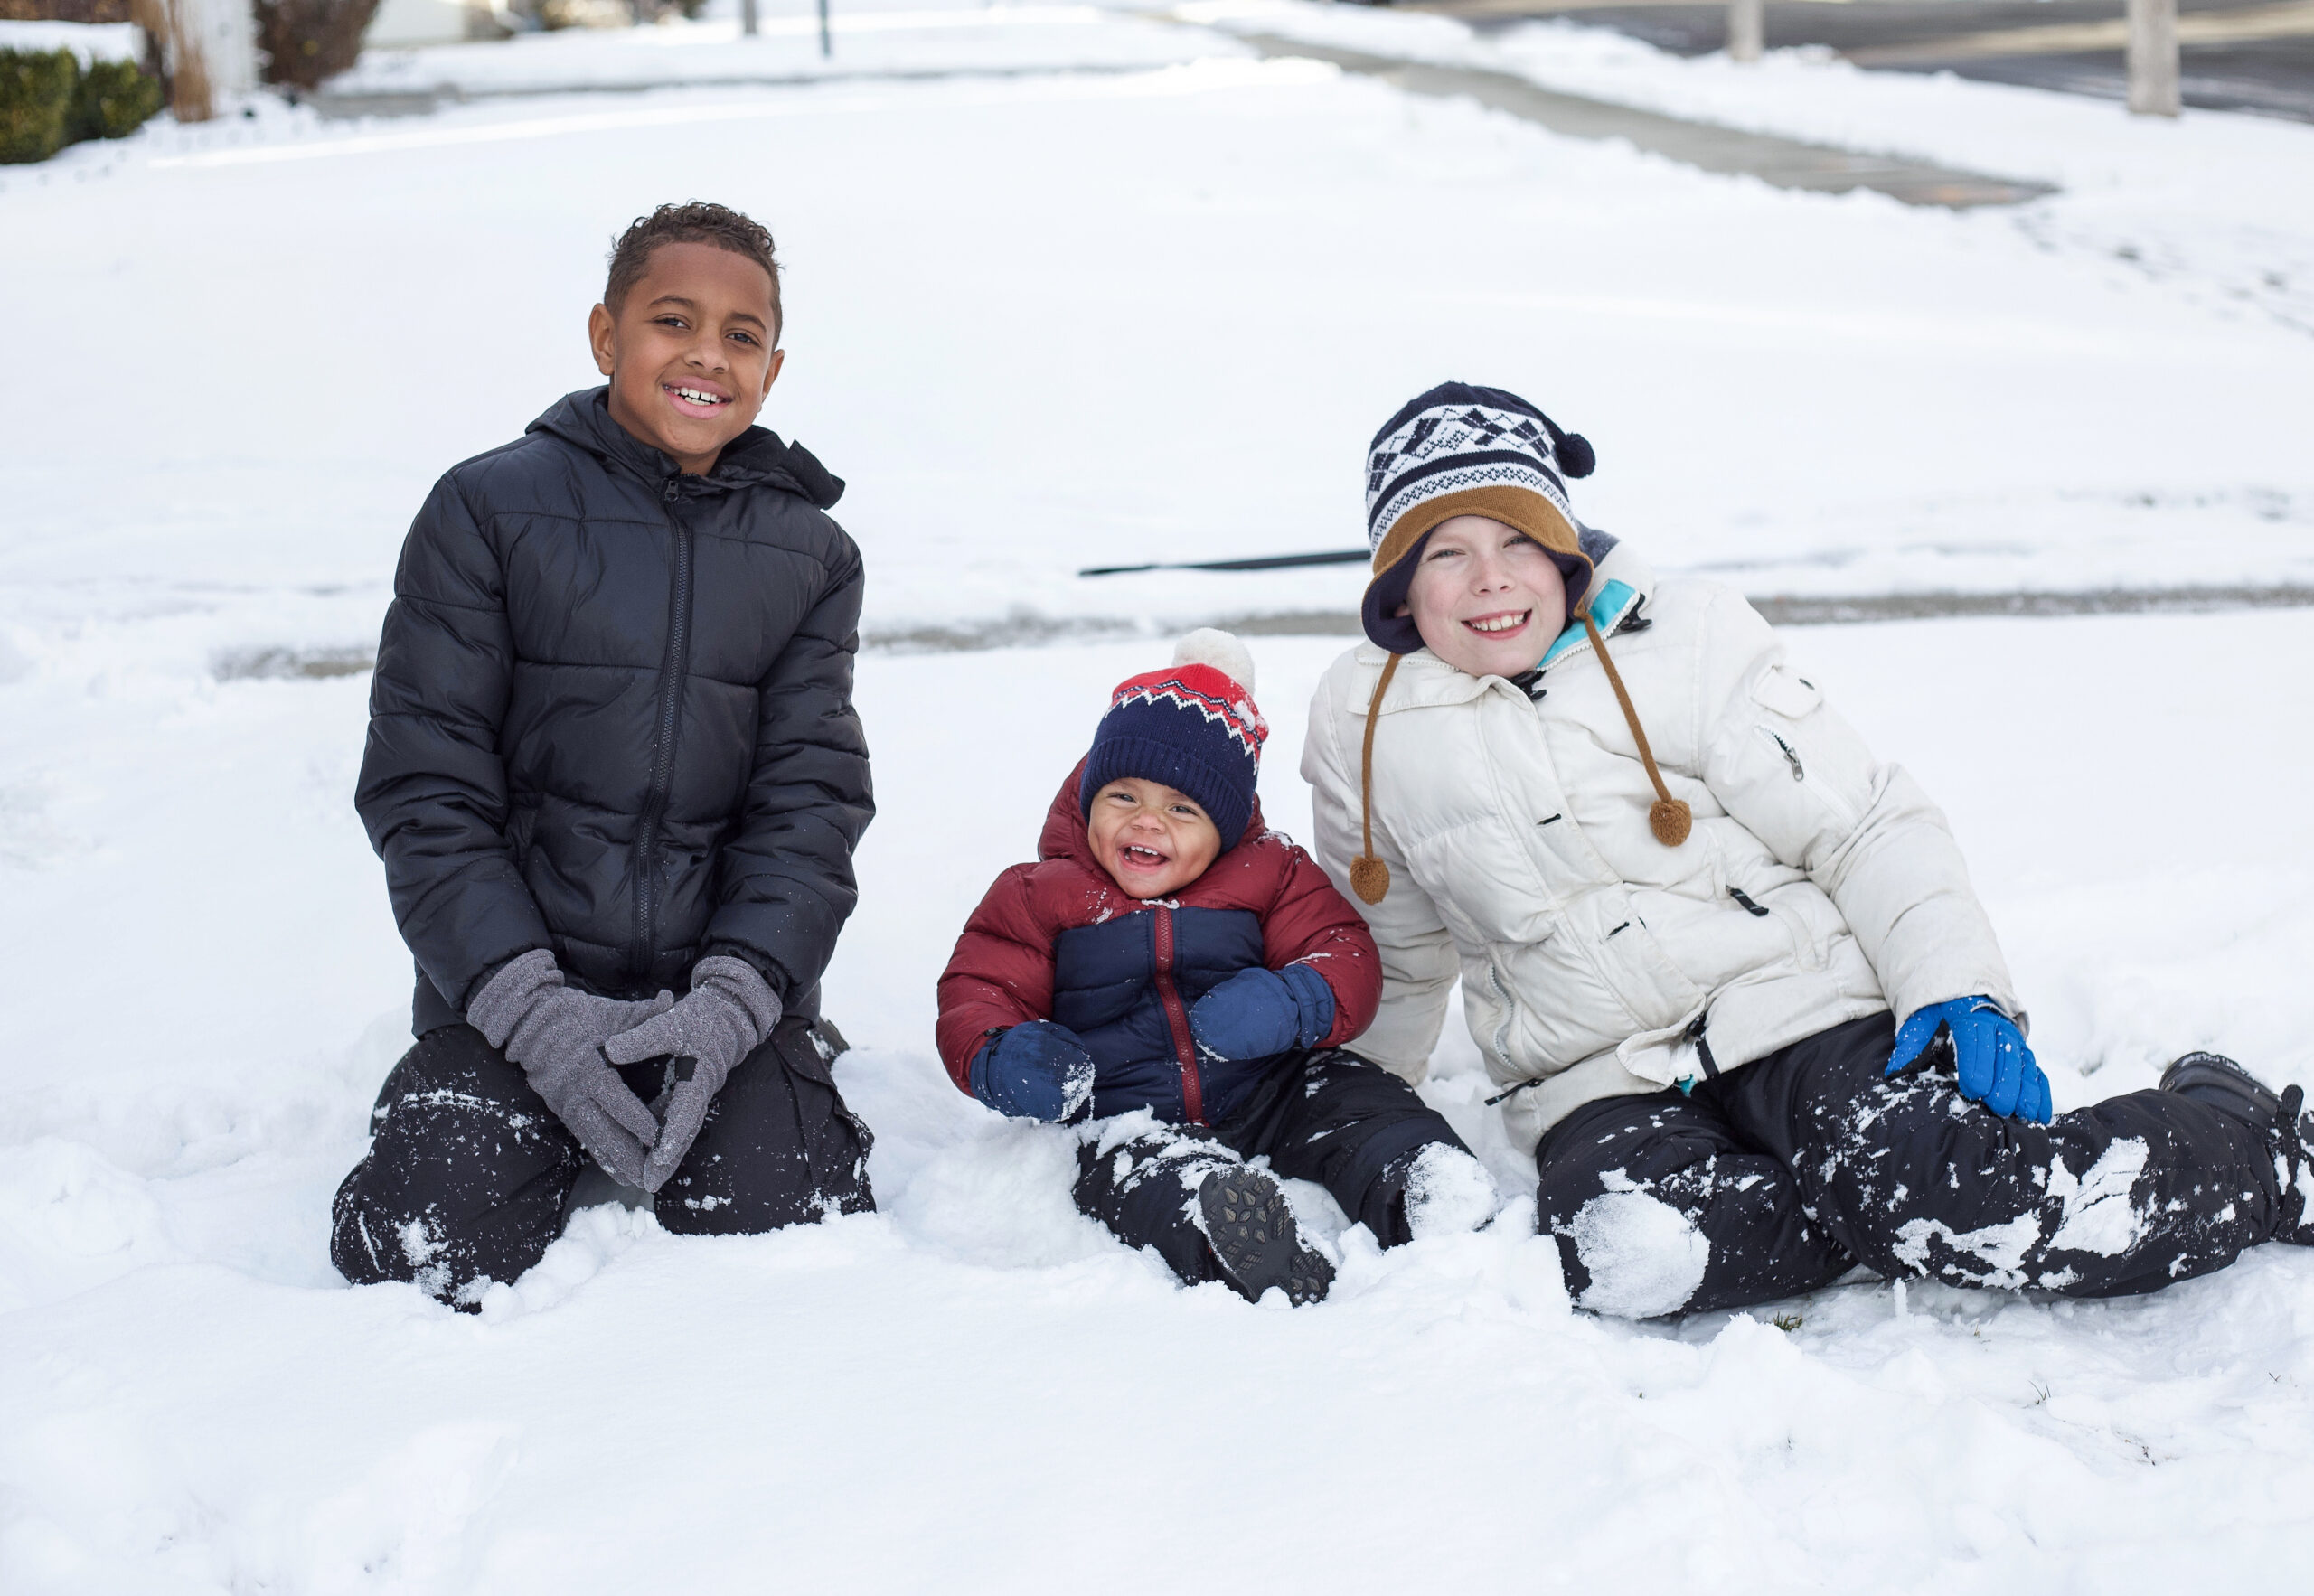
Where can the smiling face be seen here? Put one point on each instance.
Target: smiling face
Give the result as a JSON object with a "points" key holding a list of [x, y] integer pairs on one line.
{"points": [[1151, 839], [1486, 599], [691, 350]]}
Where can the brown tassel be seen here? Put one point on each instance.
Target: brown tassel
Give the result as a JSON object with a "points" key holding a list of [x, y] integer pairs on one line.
{"points": [[1668, 818], [1369, 877]]}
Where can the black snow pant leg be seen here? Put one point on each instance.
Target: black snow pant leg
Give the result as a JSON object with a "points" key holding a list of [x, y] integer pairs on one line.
{"points": [[1659, 1206], [2122, 1196], [465, 1176], [1325, 1115], [1332, 1117], [778, 1146], [1142, 1184]]}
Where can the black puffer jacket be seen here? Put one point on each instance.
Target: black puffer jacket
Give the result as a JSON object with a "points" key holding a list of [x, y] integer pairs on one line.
{"points": [[613, 716]]}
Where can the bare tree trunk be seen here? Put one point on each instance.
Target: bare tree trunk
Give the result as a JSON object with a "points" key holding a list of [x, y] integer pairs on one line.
{"points": [[748, 17], [2153, 58], [191, 98], [1746, 29]]}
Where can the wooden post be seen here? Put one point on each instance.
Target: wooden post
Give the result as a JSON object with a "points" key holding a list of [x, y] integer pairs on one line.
{"points": [[2153, 58], [1747, 28]]}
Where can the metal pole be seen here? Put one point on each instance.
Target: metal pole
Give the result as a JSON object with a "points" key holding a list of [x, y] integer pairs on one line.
{"points": [[1746, 29], [748, 17], [2153, 58], [825, 50]]}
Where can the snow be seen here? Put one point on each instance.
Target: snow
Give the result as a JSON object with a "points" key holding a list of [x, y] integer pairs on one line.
{"points": [[1448, 1194], [2098, 1215], [1645, 1257], [1040, 322], [92, 41]]}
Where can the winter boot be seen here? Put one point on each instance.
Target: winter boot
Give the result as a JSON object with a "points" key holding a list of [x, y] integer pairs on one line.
{"points": [[2216, 1081], [1255, 1240], [1434, 1190]]}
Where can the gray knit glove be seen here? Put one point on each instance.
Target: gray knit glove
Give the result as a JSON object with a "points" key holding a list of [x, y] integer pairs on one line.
{"points": [[556, 1033], [727, 1013]]}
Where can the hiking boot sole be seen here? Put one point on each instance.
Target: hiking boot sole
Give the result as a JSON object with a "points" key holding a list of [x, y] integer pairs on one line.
{"points": [[1255, 1239]]}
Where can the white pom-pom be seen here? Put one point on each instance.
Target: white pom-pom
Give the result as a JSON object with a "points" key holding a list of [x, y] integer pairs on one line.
{"points": [[1209, 645]]}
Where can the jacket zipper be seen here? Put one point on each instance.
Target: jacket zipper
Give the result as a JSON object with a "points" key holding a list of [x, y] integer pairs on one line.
{"points": [[672, 672], [1791, 757], [1177, 1020]]}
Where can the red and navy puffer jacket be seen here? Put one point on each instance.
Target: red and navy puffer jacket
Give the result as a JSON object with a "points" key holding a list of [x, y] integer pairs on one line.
{"points": [[1060, 940]]}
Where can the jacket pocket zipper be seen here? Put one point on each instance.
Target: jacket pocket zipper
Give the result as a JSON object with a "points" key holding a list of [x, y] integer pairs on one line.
{"points": [[1791, 756], [1509, 1014]]}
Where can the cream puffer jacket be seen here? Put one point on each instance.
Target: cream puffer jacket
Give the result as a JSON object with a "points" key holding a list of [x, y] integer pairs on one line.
{"points": [[1818, 885]]}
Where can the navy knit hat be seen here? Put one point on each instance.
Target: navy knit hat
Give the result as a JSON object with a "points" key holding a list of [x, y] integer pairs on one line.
{"points": [[1466, 450], [1192, 726]]}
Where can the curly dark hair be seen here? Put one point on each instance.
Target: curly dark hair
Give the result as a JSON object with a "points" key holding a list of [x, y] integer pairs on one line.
{"points": [[696, 221]]}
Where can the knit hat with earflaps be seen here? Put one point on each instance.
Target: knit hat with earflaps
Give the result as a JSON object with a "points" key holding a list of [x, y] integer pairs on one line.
{"points": [[1464, 450], [1192, 726]]}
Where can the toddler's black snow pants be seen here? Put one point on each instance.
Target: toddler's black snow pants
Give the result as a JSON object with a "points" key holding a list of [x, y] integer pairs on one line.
{"points": [[1327, 1116], [469, 1174], [1778, 1177]]}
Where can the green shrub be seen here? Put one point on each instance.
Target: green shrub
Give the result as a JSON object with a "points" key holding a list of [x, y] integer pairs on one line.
{"points": [[114, 101], [47, 102], [35, 102]]}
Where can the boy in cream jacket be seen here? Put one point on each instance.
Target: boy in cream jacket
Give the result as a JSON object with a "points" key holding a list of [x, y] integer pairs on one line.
{"points": [[1724, 964]]}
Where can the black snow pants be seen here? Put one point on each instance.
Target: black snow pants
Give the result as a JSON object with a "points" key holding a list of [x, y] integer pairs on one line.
{"points": [[1325, 1115], [1778, 1177], [469, 1174]]}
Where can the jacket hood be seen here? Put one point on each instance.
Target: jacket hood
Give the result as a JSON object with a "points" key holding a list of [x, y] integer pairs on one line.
{"points": [[1066, 835], [755, 457]]}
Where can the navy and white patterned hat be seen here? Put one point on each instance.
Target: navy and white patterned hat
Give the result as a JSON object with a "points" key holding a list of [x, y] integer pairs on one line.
{"points": [[1464, 450]]}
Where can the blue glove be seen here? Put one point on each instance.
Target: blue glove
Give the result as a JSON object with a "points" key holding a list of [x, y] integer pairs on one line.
{"points": [[1036, 1071], [1258, 1012], [1994, 1065]]}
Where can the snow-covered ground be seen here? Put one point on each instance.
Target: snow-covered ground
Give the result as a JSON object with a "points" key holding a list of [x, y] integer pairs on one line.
{"points": [[1040, 322]]}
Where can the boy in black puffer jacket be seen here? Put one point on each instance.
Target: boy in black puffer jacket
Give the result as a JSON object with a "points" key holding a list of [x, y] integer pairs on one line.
{"points": [[613, 755]]}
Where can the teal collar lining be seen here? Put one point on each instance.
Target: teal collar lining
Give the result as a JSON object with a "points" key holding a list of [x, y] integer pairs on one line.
{"points": [[1615, 600]]}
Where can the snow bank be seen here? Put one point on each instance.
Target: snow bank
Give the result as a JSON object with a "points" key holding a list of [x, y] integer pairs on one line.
{"points": [[2218, 205], [92, 41]]}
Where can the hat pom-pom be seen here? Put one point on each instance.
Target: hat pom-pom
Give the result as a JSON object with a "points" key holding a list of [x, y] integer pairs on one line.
{"points": [[1369, 877], [1209, 645], [1574, 456]]}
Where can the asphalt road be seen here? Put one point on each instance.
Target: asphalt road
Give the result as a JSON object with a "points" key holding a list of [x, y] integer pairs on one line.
{"points": [[2257, 58]]}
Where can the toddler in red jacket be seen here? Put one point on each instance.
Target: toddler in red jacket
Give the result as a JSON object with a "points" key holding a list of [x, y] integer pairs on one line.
{"points": [[1187, 977]]}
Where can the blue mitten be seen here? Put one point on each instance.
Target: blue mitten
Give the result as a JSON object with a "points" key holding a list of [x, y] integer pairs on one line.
{"points": [[1036, 1071], [1258, 1012], [1988, 1053]]}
